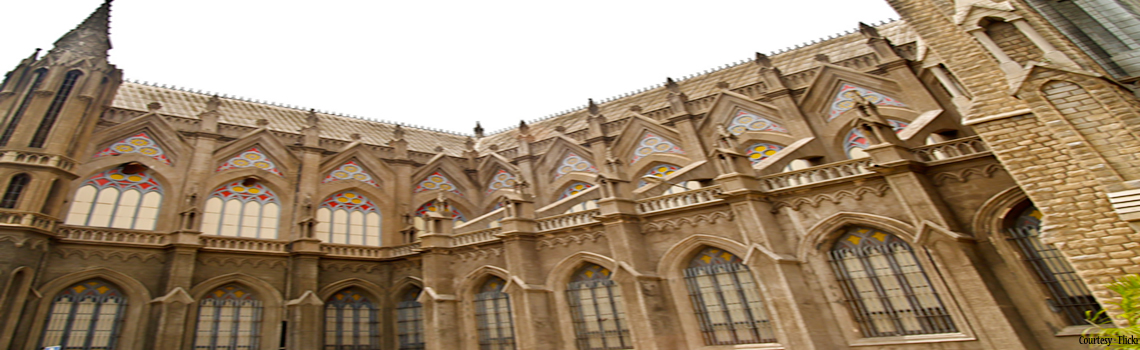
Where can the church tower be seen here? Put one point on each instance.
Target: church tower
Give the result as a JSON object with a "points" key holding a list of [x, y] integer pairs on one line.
{"points": [[48, 106]]}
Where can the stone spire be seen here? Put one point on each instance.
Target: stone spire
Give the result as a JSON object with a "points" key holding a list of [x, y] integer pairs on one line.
{"points": [[90, 39]]}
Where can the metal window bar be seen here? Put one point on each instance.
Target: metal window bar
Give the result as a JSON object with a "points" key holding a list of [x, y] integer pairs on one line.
{"points": [[728, 305], [493, 321], [15, 188], [410, 325], [599, 324], [85, 322], [54, 108], [354, 327], [1069, 294], [230, 324], [881, 292]]}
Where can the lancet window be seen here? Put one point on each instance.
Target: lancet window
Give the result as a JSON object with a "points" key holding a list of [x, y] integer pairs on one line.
{"points": [[410, 320], [597, 310], [352, 321], [727, 300], [85, 316], [348, 217], [229, 318], [10, 129], [15, 188], [493, 322], [243, 208], [123, 197], [1068, 293], [886, 287], [54, 108]]}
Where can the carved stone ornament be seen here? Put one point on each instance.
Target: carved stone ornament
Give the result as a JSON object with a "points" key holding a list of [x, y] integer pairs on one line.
{"points": [[834, 197], [691, 221]]}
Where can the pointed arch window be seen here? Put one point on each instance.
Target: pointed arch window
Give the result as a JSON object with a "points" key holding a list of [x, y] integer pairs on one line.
{"points": [[758, 152], [252, 158], [352, 321], [140, 143], [493, 316], [597, 310], [652, 143], [727, 300], [885, 286], [745, 121], [501, 180], [348, 217], [855, 144], [86, 316], [351, 171], [437, 181], [1068, 293], [229, 318], [410, 320], [573, 162], [659, 171], [123, 197], [14, 122], [15, 188], [849, 95], [243, 208], [53, 110], [574, 189]]}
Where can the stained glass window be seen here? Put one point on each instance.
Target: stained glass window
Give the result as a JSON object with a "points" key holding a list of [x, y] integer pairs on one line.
{"points": [[761, 151], [85, 316], [437, 181], [597, 310], [252, 158], [855, 143], [501, 180], [573, 162], [885, 286], [494, 325], [10, 129], [659, 171], [410, 320], [574, 189], [348, 217], [352, 321], [243, 208], [845, 99], [745, 121], [54, 108], [897, 125], [350, 171], [652, 143], [727, 300], [229, 318], [1068, 292], [115, 199], [15, 189], [141, 143]]}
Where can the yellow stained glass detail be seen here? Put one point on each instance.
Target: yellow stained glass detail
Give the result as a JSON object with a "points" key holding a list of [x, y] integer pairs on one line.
{"points": [[239, 293], [882, 237], [590, 274], [102, 289], [340, 297], [606, 272], [726, 256], [356, 297], [1036, 214], [707, 259], [854, 239], [863, 230], [80, 289], [219, 293]]}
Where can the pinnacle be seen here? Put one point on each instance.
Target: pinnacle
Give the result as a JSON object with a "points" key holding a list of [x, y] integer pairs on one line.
{"points": [[90, 38]]}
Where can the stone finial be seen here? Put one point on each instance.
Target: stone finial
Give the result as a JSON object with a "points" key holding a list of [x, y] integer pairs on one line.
{"points": [[312, 118], [355, 136], [722, 85], [261, 123], [560, 128], [523, 128], [593, 107], [672, 86], [822, 58], [869, 31], [398, 134], [213, 104], [762, 60], [635, 108], [469, 143], [153, 106], [478, 130], [438, 149]]}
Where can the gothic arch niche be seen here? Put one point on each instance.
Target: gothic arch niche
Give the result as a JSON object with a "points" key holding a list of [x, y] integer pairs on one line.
{"points": [[127, 196], [15, 189], [246, 207], [12, 302], [349, 217], [218, 299], [597, 309], [1010, 40], [132, 296], [353, 320], [494, 318], [409, 317], [560, 279]]}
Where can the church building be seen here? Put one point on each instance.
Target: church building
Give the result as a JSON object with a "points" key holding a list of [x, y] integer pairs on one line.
{"points": [[965, 177]]}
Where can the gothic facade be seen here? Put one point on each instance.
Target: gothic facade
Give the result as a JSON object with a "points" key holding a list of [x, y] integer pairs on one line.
{"points": [[962, 178]]}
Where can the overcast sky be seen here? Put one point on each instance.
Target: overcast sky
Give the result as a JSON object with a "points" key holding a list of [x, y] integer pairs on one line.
{"points": [[439, 64]]}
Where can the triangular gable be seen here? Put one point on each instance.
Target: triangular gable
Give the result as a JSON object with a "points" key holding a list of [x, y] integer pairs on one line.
{"points": [[572, 162], [437, 181], [251, 158], [140, 143], [501, 180], [744, 121], [845, 99], [650, 143], [350, 170], [160, 134]]}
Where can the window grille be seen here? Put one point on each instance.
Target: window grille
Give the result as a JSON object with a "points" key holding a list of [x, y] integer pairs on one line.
{"points": [[53, 110], [243, 208], [727, 300], [85, 316], [886, 287], [493, 316], [15, 121], [352, 322], [1069, 294], [348, 217], [596, 307], [15, 189], [410, 320], [114, 198], [229, 318]]}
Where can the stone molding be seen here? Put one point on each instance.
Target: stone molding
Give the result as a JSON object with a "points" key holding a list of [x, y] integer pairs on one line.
{"points": [[693, 221], [567, 240], [834, 197]]}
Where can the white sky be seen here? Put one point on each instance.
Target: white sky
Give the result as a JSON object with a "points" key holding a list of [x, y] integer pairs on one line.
{"points": [[439, 64]]}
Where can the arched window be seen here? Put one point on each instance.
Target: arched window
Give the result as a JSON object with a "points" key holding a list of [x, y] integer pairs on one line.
{"points": [[243, 208], [493, 316], [54, 108], [1068, 293], [123, 197], [760, 151], [15, 189], [596, 307], [352, 322], [86, 316], [10, 129], [574, 189], [410, 320], [229, 318], [659, 171], [348, 217], [727, 300], [885, 286]]}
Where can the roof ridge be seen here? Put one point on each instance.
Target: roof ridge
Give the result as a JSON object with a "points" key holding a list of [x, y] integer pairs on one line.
{"points": [[288, 106]]}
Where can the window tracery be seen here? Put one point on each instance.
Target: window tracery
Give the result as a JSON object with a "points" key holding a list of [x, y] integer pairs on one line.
{"points": [[846, 99], [352, 321], [410, 320], [1068, 293], [652, 143], [348, 217], [243, 208], [761, 151], [229, 318], [745, 121], [252, 158], [117, 199], [86, 316], [597, 311], [493, 321], [351, 171], [574, 189], [573, 162], [140, 143], [727, 299], [437, 181]]}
